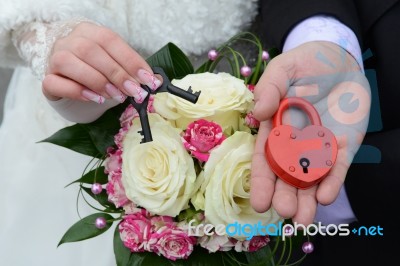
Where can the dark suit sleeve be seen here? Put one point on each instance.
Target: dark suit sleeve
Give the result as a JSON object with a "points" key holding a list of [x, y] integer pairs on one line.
{"points": [[278, 17]]}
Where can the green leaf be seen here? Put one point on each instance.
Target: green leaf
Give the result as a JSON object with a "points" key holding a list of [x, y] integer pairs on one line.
{"points": [[174, 62], [122, 253], [93, 138], [103, 130], [85, 228], [75, 138], [263, 256], [199, 257], [273, 52], [148, 259], [95, 176], [102, 199], [205, 67]]}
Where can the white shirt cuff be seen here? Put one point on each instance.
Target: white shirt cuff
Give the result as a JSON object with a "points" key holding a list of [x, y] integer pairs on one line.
{"points": [[325, 28]]}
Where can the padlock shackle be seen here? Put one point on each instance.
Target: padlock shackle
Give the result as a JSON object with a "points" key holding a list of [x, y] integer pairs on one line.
{"points": [[306, 106]]}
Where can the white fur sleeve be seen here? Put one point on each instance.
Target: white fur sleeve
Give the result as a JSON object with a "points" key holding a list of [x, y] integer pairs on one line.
{"points": [[195, 26], [16, 13]]}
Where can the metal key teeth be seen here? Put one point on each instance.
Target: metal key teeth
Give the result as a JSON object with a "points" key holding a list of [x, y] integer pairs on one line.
{"points": [[184, 94], [197, 93], [143, 139], [191, 91], [141, 133]]}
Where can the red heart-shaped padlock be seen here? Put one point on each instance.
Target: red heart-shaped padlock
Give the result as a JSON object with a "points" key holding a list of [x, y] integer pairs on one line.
{"points": [[300, 157]]}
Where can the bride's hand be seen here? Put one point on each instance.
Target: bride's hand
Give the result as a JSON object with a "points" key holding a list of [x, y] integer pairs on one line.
{"points": [[93, 63]]}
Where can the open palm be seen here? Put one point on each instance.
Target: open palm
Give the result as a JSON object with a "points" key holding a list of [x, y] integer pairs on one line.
{"points": [[327, 76]]}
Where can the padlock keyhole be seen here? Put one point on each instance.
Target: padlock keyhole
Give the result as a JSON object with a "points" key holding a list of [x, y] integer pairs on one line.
{"points": [[304, 163]]}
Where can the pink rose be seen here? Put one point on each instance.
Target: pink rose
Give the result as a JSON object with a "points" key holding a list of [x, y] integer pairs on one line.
{"points": [[251, 87], [251, 121], [142, 212], [172, 243], [258, 242], [127, 116], [130, 208], [160, 221], [254, 244], [217, 242], [130, 113], [113, 161], [150, 106], [119, 137], [135, 232], [115, 190], [201, 136]]}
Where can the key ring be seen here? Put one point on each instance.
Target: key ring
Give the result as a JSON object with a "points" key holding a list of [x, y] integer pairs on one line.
{"points": [[166, 86]]}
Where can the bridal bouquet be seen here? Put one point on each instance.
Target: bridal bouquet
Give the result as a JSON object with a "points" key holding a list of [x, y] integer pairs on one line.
{"points": [[183, 198]]}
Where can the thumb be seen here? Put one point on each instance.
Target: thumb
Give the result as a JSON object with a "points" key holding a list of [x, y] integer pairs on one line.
{"points": [[272, 86]]}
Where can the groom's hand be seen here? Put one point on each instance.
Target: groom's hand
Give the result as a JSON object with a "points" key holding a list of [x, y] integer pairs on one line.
{"points": [[330, 78]]}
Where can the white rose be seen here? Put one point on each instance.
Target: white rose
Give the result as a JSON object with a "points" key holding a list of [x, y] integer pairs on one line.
{"points": [[223, 99], [224, 191], [157, 175]]}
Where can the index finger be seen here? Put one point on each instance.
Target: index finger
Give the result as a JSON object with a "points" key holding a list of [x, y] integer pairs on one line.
{"points": [[262, 183], [329, 188], [272, 87], [132, 62]]}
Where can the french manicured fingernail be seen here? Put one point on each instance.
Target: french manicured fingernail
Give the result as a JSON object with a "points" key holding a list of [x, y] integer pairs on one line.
{"points": [[92, 96], [148, 79], [115, 93], [136, 91]]}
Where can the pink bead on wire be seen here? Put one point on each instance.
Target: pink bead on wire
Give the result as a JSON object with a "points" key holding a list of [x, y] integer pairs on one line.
{"points": [[212, 55], [96, 188], [308, 247], [245, 71], [265, 55], [100, 222], [289, 231]]}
